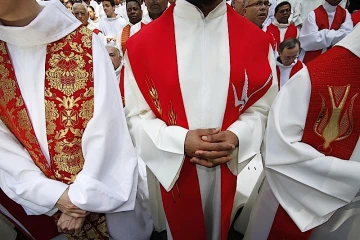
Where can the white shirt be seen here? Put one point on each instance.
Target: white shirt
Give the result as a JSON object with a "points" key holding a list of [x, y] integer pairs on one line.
{"points": [[162, 147], [312, 39]]}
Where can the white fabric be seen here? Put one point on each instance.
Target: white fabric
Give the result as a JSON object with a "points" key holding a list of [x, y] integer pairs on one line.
{"points": [[309, 185], [312, 39], [112, 26], [95, 23], [296, 11], [270, 16], [161, 146], [285, 72], [108, 180], [121, 10], [311, 5]]}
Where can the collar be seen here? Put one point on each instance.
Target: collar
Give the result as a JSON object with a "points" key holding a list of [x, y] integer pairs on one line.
{"points": [[352, 41], [42, 31], [184, 9], [279, 63], [280, 25], [329, 8]]}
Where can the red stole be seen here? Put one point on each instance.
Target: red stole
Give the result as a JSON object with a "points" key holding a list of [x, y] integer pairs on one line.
{"points": [[297, 67], [355, 17], [291, 32], [182, 204], [332, 125], [121, 84], [322, 21], [69, 105]]}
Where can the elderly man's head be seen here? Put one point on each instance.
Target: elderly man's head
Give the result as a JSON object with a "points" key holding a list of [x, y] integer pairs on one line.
{"points": [[115, 55], [282, 12], [289, 51], [256, 11], [238, 6], [80, 12]]}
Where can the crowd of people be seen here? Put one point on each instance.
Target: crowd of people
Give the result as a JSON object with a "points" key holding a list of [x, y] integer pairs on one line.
{"points": [[134, 120]]}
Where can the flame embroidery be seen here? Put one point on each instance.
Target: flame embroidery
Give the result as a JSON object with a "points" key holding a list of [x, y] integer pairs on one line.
{"points": [[335, 123], [172, 115], [154, 95]]}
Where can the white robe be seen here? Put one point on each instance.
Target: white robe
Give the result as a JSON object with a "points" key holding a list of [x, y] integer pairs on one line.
{"points": [[285, 72], [162, 147], [108, 180], [311, 187], [112, 26], [312, 39]]}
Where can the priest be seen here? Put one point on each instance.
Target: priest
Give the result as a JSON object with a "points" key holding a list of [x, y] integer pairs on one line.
{"points": [[197, 122]]}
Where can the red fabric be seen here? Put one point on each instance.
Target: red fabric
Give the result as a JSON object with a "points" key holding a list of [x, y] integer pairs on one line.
{"points": [[322, 21], [97, 31], [297, 67], [121, 84], [355, 17], [183, 207], [319, 128], [291, 32]]}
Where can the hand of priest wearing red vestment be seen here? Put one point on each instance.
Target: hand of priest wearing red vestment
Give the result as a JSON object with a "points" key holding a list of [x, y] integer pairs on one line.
{"points": [[70, 225], [210, 147], [65, 205]]}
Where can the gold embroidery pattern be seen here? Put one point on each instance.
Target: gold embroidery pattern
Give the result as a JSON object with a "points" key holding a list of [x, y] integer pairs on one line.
{"points": [[172, 115], [335, 122], [14, 115], [69, 106], [154, 96], [7, 90]]}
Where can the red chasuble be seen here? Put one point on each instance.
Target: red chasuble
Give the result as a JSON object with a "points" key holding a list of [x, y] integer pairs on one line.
{"points": [[297, 67], [355, 17], [69, 102], [332, 125], [161, 89], [322, 21], [291, 32]]}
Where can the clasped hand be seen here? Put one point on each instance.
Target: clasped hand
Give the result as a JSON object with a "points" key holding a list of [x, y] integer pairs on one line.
{"points": [[210, 147], [72, 217]]}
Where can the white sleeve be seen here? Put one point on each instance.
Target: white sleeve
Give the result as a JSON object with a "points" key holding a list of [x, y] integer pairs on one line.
{"points": [[312, 39], [270, 16], [296, 15], [108, 180], [250, 127], [22, 181], [160, 146], [309, 185]]}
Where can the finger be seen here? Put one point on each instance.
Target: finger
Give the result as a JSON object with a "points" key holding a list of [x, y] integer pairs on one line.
{"points": [[78, 225], [212, 154], [75, 215], [202, 162], [208, 131], [215, 138], [221, 146], [221, 160]]}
